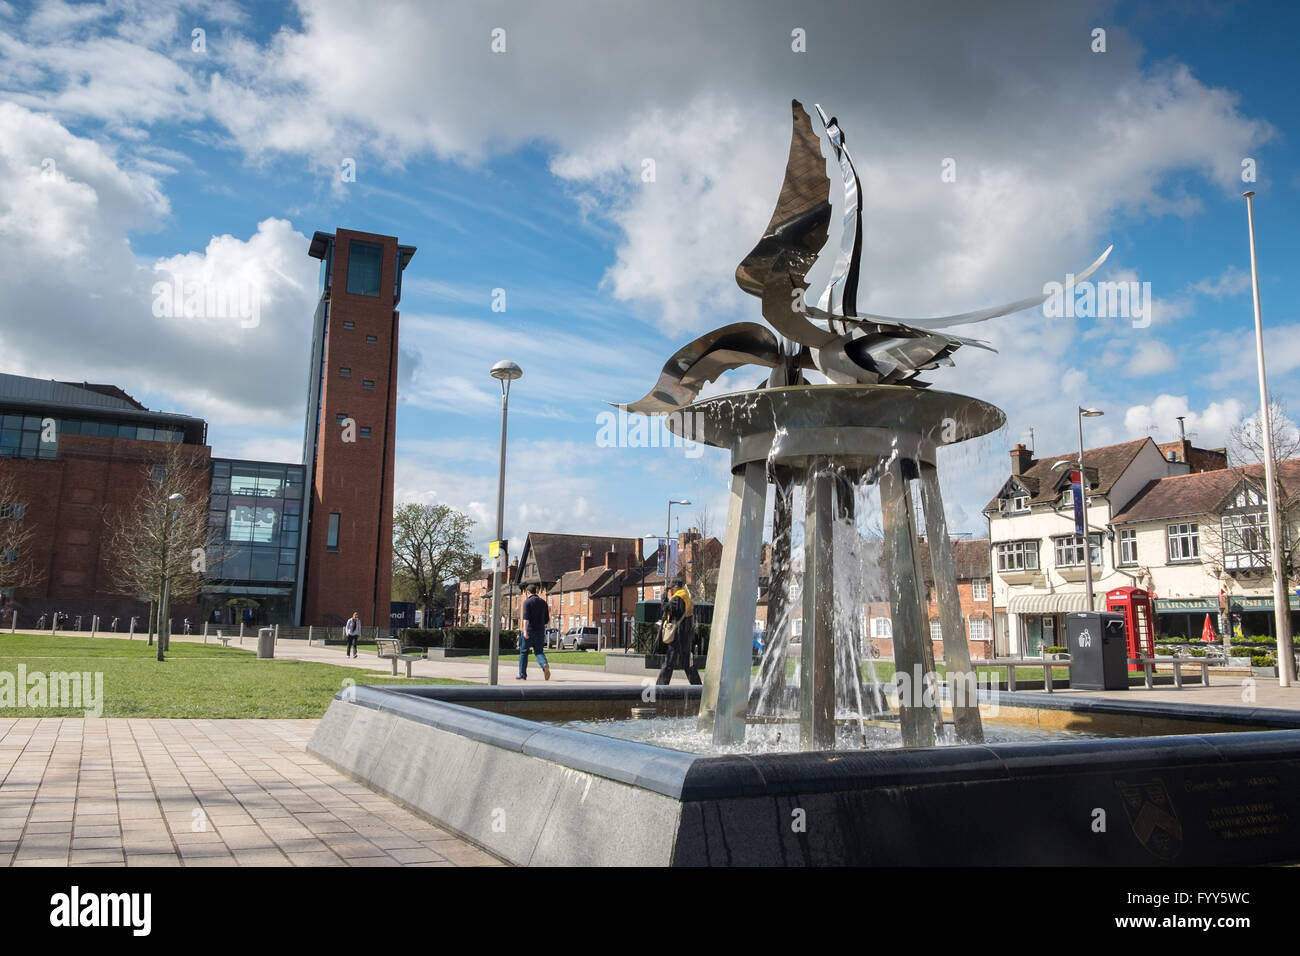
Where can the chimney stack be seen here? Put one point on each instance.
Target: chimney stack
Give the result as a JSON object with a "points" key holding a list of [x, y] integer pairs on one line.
{"points": [[582, 563], [1021, 459], [611, 560]]}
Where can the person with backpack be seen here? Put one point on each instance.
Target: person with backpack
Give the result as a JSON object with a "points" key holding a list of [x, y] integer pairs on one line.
{"points": [[536, 615], [677, 633], [352, 631]]}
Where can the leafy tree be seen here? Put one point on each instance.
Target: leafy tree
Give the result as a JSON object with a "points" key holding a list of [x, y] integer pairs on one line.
{"points": [[431, 546]]}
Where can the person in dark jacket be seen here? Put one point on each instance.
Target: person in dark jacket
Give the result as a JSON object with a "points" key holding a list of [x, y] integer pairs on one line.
{"points": [[536, 616], [679, 608]]}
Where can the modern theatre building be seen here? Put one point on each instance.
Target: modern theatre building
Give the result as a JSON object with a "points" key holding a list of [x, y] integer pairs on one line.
{"points": [[300, 543]]}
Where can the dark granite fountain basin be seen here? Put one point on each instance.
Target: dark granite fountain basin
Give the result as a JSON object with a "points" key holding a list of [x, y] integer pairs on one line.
{"points": [[1221, 787]]}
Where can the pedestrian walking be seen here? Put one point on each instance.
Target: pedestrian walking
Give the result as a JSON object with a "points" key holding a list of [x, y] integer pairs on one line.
{"points": [[677, 634], [352, 630], [536, 616]]}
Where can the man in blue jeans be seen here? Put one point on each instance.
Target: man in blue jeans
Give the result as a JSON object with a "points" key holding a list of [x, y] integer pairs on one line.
{"points": [[536, 616]]}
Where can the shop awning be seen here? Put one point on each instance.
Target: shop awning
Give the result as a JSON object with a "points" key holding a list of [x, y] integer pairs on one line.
{"points": [[1058, 603]]}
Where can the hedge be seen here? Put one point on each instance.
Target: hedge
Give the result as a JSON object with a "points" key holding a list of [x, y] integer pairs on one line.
{"points": [[1239, 650], [1261, 660], [472, 638]]}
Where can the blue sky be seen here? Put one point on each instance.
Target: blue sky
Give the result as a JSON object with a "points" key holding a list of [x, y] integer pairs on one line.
{"points": [[128, 153]]}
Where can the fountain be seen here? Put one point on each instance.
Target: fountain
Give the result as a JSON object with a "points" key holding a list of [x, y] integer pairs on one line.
{"points": [[874, 423], [583, 775]]}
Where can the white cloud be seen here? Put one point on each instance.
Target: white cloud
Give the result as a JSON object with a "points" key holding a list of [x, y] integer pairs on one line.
{"points": [[1151, 357], [1159, 419]]}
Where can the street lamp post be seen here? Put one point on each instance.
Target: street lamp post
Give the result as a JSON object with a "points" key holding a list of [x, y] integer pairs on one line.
{"points": [[504, 372], [174, 501], [1083, 487], [668, 535], [1281, 600]]}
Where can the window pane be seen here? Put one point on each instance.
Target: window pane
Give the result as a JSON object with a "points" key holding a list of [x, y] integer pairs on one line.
{"points": [[332, 541], [365, 263]]}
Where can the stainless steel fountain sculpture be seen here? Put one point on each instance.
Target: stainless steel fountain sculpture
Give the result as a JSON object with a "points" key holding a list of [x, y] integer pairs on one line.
{"points": [[874, 423]]}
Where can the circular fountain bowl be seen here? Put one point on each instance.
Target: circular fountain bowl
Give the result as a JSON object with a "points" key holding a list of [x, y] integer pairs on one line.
{"points": [[853, 424]]}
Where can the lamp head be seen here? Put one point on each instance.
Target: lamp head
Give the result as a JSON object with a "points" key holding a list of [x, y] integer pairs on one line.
{"points": [[506, 371], [177, 498], [1091, 412], [682, 502]]}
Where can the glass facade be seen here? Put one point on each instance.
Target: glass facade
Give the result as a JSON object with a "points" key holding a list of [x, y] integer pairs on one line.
{"points": [[365, 266], [22, 434], [255, 512]]}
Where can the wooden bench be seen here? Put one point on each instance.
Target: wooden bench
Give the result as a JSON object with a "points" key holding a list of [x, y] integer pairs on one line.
{"points": [[1178, 663], [1011, 663], [390, 649]]}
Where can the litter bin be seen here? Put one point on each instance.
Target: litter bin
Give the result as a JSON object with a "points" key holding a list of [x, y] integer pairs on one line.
{"points": [[1098, 650], [266, 642]]}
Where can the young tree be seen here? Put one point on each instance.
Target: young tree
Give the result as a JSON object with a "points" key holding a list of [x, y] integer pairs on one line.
{"points": [[159, 539], [702, 560], [431, 546], [17, 563]]}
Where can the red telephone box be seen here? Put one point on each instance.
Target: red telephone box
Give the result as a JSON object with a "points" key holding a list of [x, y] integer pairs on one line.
{"points": [[1139, 616]]}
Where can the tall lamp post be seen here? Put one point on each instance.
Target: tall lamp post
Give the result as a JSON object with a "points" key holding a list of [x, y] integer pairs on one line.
{"points": [[505, 372], [1281, 600], [668, 537], [1083, 487], [174, 502]]}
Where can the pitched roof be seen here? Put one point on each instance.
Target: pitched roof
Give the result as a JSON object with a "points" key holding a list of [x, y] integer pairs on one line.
{"points": [[970, 558], [1104, 467], [581, 580], [556, 554], [1201, 494]]}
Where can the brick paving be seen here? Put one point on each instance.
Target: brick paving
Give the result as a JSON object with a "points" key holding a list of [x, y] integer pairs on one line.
{"points": [[137, 792]]}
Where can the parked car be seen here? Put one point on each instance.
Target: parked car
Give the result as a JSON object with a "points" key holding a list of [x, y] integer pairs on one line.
{"points": [[551, 637], [581, 638]]}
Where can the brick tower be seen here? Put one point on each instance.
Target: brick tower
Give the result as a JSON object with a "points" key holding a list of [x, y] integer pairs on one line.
{"points": [[348, 444]]}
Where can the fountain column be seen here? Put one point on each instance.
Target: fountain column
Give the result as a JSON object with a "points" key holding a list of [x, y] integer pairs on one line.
{"points": [[725, 698], [817, 654], [956, 652], [772, 673], [910, 637]]}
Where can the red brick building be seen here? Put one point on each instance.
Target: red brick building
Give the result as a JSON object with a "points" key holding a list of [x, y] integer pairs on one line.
{"points": [[348, 444], [76, 455]]}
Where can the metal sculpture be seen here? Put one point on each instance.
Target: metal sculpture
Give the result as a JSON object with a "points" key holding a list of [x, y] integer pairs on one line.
{"points": [[845, 346], [876, 423]]}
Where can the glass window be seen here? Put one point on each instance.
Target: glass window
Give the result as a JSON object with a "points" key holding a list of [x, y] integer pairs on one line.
{"points": [[1018, 556], [1184, 541], [372, 339], [12, 421], [292, 507], [32, 423], [979, 589], [368, 383], [365, 432], [1128, 546], [349, 324], [365, 264], [218, 502], [1069, 551], [345, 372], [220, 486], [221, 469], [332, 539], [265, 565], [107, 430]]}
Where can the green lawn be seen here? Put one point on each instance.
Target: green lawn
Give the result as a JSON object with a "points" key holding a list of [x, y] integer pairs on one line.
{"points": [[196, 680], [594, 658]]}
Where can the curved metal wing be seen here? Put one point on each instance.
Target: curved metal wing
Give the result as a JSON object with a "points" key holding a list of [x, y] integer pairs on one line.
{"points": [[840, 297], [798, 228], [695, 365], [943, 321]]}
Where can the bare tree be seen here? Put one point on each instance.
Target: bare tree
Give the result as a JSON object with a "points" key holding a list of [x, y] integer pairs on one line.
{"points": [[157, 540], [702, 562], [1238, 545], [431, 546], [17, 563]]}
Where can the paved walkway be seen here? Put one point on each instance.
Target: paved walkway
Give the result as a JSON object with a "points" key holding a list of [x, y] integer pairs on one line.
{"points": [[457, 668], [139, 792]]}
